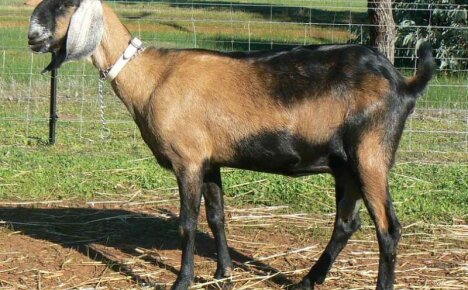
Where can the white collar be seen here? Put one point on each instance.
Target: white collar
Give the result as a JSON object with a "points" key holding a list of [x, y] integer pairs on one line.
{"points": [[134, 48]]}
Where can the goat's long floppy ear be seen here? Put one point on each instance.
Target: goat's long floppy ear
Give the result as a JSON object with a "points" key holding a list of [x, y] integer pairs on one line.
{"points": [[84, 34], [85, 30]]}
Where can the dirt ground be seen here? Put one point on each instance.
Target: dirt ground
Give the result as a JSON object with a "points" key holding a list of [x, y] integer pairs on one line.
{"points": [[134, 245]]}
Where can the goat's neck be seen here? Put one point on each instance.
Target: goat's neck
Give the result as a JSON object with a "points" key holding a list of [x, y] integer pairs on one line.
{"points": [[133, 84]]}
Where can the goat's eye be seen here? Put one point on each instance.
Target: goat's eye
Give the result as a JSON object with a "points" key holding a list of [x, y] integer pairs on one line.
{"points": [[62, 7]]}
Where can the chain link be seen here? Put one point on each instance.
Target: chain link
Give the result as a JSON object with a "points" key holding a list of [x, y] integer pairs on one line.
{"points": [[139, 51], [105, 131]]}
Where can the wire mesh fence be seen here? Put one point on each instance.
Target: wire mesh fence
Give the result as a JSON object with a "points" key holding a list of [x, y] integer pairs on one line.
{"points": [[436, 132]]}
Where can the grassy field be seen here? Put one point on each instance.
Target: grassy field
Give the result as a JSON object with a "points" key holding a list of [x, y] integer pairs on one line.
{"points": [[99, 170], [428, 183]]}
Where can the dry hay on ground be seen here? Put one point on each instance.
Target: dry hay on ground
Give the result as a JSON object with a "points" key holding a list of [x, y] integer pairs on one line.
{"points": [[133, 243]]}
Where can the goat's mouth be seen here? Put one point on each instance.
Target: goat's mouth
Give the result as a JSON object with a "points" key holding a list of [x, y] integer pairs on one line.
{"points": [[40, 45]]}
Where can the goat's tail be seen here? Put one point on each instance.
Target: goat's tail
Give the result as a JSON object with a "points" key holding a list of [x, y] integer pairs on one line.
{"points": [[415, 85]]}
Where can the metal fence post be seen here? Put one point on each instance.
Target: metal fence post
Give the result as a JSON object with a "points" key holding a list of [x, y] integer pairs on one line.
{"points": [[53, 106]]}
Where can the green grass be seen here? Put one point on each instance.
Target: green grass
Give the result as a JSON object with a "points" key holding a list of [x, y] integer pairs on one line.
{"points": [[86, 170], [83, 166]]}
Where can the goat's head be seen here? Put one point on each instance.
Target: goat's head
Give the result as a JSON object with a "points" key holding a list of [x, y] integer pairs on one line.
{"points": [[71, 29]]}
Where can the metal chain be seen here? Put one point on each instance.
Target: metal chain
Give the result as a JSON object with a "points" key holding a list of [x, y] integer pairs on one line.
{"points": [[138, 52], [105, 131]]}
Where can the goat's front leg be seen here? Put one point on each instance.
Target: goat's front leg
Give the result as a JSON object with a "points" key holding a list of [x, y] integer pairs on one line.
{"points": [[214, 204], [190, 183]]}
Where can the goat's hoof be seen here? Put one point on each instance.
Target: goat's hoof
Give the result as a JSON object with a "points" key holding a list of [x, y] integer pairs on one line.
{"points": [[222, 273], [305, 284], [181, 284]]}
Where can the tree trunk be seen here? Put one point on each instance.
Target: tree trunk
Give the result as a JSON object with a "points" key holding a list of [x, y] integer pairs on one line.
{"points": [[382, 30]]}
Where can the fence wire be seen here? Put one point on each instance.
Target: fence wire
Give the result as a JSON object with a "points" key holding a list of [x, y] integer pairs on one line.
{"points": [[436, 132]]}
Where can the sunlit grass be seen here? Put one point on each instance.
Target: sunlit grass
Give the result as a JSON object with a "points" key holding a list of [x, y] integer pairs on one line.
{"points": [[83, 166]]}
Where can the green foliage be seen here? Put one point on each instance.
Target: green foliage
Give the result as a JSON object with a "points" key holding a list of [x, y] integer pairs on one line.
{"points": [[442, 22]]}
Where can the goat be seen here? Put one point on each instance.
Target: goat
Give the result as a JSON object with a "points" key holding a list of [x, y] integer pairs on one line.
{"points": [[337, 109]]}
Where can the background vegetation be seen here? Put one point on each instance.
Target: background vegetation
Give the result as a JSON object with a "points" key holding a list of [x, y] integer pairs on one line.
{"points": [[449, 39], [428, 183]]}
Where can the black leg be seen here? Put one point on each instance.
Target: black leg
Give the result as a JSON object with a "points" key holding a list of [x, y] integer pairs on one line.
{"points": [[190, 188], [347, 222], [388, 235], [214, 204]]}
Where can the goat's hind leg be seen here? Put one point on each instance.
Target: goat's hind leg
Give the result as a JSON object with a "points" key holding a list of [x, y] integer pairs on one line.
{"points": [[347, 222], [378, 201], [214, 205]]}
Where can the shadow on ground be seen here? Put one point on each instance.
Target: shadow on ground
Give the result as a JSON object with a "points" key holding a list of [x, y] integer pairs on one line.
{"points": [[124, 230]]}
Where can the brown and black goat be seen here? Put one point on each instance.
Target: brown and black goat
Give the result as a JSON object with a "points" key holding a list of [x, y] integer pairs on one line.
{"points": [[337, 109]]}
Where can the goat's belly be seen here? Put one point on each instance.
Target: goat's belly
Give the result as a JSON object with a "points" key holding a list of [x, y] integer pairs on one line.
{"points": [[281, 153], [288, 169]]}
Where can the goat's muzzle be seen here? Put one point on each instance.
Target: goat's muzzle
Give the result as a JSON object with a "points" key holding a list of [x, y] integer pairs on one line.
{"points": [[39, 43], [40, 38]]}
